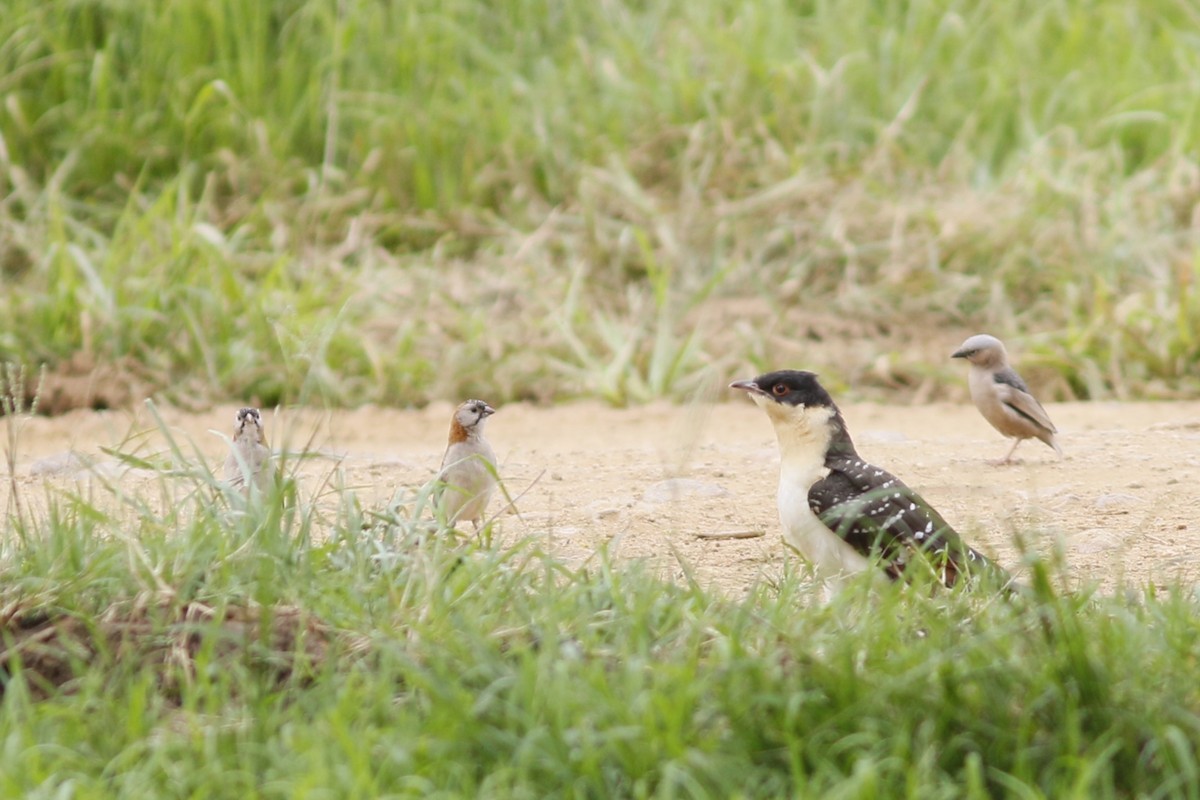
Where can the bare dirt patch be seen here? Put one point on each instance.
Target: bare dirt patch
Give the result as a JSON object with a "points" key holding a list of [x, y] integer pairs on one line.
{"points": [[50, 645], [648, 482], [80, 382]]}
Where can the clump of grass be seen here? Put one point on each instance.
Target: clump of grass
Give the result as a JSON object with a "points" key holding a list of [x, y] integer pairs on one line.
{"points": [[284, 643], [490, 671]]}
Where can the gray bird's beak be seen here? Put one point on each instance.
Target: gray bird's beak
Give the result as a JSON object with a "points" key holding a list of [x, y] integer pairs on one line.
{"points": [[959, 354], [747, 386], [488, 410]]}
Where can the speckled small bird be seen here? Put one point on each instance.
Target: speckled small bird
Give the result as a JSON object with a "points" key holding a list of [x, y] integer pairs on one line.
{"points": [[1002, 397], [841, 513], [249, 461], [468, 474]]}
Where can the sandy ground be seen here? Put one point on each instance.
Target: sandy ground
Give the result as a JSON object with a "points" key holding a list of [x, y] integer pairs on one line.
{"points": [[1123, 506]]}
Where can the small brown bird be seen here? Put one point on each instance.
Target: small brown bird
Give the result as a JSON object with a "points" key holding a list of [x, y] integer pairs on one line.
{"points": [[249, 461], [842, 514], [1002, 397], [468, 473]]}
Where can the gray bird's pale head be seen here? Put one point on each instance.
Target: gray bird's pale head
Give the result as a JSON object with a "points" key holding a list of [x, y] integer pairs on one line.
{"points": [[468, 419], [248, 422], [982, 350]]}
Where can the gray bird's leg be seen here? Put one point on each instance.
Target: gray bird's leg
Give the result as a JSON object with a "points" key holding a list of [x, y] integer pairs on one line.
{"points": [[1008, 459]]}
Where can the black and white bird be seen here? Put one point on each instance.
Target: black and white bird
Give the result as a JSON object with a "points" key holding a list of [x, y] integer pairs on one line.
{"points": [[468, 474], [249, 461], [1002, 397], [841, 513]]}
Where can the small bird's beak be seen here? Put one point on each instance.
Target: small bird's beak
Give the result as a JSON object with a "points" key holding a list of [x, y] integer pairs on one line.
{"points": [[747, 386], [488, 410], [959, 354]]}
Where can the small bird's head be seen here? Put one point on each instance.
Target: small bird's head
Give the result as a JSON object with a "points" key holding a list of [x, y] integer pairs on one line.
{"points": [[468, 420], [982, 351], [248, 422], [799, 408]]}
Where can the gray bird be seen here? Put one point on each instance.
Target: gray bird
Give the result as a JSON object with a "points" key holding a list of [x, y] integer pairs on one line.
{"points": [[841, 513], [468, 474], [1002, 397], [249, 461]]}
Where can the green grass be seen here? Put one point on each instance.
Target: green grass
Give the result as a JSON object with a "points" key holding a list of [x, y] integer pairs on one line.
{"points": [[225, 649], [352, 201]]}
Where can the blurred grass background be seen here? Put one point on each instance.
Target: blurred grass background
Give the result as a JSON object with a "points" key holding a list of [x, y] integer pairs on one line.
{"points": [[348, 201]]}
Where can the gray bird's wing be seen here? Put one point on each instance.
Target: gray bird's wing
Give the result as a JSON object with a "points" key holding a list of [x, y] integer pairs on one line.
{"points": [[878, 515], [1013, 392]]}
